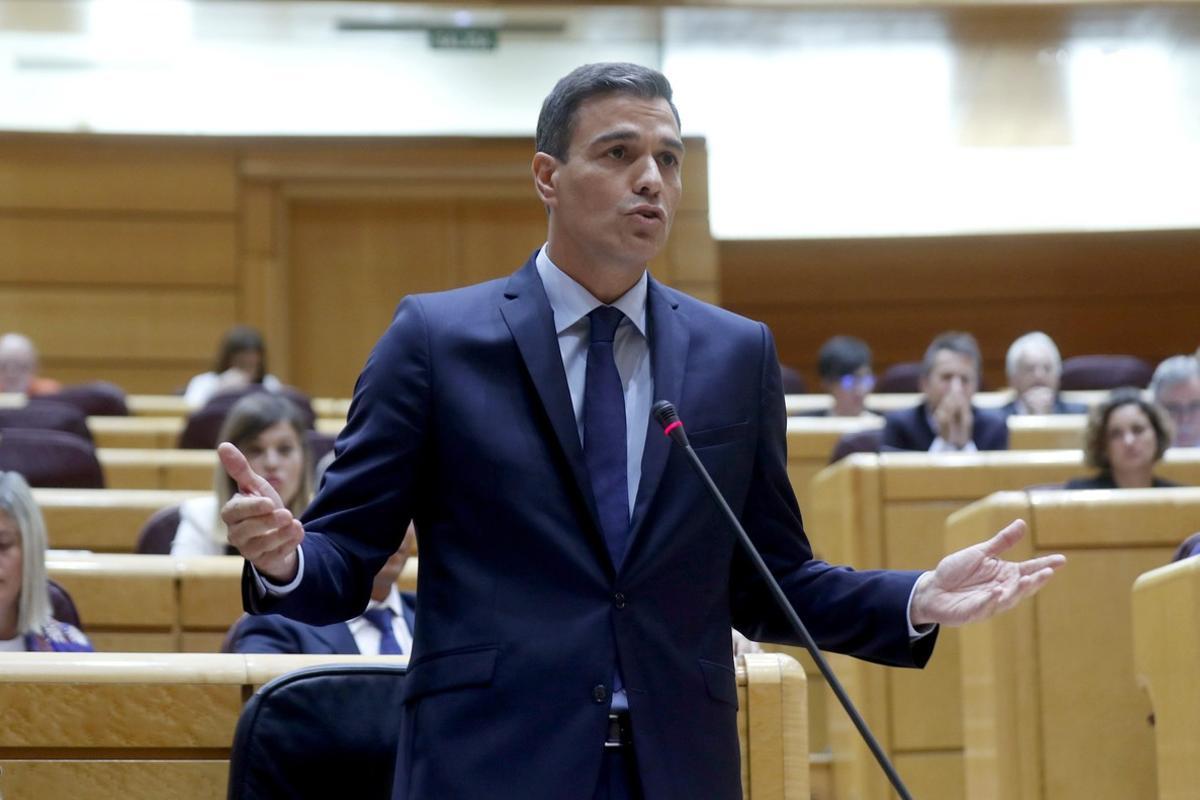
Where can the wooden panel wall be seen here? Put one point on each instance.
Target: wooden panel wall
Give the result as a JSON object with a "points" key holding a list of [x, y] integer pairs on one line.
{"points": [[1124, 292], [125, 258], [117, 255]]}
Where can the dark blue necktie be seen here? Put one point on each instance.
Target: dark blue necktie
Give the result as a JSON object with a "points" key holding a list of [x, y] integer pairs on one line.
{"points": [[604, 441], [381, 619]]}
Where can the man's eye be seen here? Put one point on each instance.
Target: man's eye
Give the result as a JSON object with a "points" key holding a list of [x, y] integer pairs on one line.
{"points": [[617, 152], [669, 159]]}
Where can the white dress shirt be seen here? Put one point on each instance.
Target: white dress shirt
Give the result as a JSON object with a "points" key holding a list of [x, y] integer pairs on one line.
{"points": [[368, 637]]}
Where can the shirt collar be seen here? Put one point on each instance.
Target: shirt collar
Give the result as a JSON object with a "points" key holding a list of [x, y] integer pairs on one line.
{"points": [[570, 302], [392, 601]]}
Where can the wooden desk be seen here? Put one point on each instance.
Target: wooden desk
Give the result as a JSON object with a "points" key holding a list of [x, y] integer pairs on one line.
{"points": [[102, 520], [1166, 654], [158, 469], [1051, 708], [143, 433], [172, 405], [151, 726], [890, 511], [1050, 432], [882, 403]]}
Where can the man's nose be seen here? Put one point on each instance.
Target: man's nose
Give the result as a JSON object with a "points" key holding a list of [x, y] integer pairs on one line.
{"points": [[649, 181]]}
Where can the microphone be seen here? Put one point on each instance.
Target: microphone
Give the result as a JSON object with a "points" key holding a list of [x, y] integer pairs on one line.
{"points": [[668, 418]]}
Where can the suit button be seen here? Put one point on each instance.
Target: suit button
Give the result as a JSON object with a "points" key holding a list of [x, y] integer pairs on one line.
{"points": [[600, 693], [619, 600]]}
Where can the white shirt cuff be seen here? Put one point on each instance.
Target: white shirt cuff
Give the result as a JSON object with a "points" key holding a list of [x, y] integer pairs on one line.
{"points": [[915, 633], [940, 445], [267, 587]]}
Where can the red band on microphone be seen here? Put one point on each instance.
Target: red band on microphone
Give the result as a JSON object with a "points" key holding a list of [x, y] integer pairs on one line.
{"points": [[676, 424]]}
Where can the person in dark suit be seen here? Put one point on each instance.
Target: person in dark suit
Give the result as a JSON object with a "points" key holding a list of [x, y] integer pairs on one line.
{"points": [[1126, 436], [384, 628], [577, 584], [1034, 368], [947, 420]]}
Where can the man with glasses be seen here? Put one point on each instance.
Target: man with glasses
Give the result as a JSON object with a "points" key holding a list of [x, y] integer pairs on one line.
{"points": [[1176, 387]]}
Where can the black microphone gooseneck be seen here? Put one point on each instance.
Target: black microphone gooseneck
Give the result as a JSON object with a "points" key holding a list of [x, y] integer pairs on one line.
{"points": [[666, 416]]}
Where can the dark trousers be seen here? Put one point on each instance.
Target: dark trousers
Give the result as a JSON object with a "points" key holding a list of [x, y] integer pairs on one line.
{"points": [[618, 776]]}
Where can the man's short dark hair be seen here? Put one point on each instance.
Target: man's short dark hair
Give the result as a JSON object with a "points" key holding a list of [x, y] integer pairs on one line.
{"points": [[956, 342], [842, 355], [556, 123]]}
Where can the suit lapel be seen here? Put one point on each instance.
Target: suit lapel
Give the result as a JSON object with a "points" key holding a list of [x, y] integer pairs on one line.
{"points": [[668, 334], [339, 638], [529, 319]]}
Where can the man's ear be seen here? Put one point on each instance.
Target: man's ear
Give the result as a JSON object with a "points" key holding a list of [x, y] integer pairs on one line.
{"points": [[545, 166]]}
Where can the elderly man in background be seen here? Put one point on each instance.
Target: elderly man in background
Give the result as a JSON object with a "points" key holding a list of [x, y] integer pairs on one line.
{"points": [[1034, 368], [18, 367], [1176, 388], [946, 421]]}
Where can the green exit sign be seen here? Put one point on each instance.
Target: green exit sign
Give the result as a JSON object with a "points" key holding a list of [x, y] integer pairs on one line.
{"points": [[463, 38]]}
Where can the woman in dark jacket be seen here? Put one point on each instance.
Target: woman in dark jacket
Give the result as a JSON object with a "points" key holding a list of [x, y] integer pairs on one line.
{"points": [[1126, 436]]}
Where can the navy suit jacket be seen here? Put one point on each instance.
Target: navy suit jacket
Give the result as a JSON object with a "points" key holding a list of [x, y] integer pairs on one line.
{"points": [[462, 421], [909, 429], [271, 633]]}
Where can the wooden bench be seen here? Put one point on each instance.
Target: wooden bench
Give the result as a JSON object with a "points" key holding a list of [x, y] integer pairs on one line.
{"points": [[157, 469], [161, 725], [882, 403], [159, 604], [1050, 432], [102, 520], [162, 433], [1050, 704], [1166, 651], [172, 405], [889, 511]]}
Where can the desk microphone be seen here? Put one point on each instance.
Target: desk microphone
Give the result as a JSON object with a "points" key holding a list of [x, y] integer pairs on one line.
{"points": [[666, 416]]}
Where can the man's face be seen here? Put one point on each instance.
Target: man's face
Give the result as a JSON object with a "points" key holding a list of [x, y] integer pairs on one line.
{"points": [[1036, 366], [17, 365], [1182, 402], [613, 200], [951, 373]]}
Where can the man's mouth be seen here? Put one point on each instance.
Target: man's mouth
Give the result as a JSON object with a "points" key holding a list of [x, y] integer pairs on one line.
{"points": [[649, 212]]}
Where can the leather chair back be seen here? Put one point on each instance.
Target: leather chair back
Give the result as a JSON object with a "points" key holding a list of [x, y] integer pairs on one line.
{"points": [[158, 533], [1081, 373], [866, 441], [46, 415], [51, 459], [95, 399], [321, 732]]}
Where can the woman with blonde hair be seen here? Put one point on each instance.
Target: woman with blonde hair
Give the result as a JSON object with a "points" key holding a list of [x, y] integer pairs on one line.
{"points": [[25, 612], [270, 430]]}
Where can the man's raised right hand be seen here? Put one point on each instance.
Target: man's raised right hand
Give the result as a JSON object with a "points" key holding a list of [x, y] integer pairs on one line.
{"points": [[260, 526]]}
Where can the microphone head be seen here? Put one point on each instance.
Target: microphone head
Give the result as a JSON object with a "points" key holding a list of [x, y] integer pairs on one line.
{"points": [[664, 413]]}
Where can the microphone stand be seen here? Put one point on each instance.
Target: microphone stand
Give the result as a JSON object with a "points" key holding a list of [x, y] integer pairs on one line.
{"points": [[664, 412]]}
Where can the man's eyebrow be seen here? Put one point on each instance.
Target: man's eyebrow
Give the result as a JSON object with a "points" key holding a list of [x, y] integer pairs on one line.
{"points": [[625, 135]]}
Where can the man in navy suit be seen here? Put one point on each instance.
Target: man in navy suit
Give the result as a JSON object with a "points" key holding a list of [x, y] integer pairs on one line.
{"points": [[946, 420], [1034, 368], [577, 585], [385, 628]]}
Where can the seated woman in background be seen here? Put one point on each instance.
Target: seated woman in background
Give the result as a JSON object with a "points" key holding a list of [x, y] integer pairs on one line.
{"points": [[1126, 436], [270, 431], [25, 619], [241, 361], [844, 364]]}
